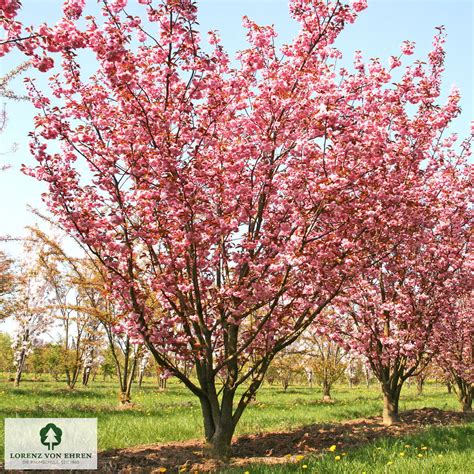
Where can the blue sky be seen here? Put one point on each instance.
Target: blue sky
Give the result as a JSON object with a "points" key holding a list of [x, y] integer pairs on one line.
{"points": [[379, 32]]}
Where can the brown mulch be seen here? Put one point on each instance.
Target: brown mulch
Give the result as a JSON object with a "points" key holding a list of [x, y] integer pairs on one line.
{"points": [[274, 447]]}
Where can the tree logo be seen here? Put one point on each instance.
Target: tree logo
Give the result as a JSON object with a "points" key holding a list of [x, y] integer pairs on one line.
{"points": [[51, 436]]}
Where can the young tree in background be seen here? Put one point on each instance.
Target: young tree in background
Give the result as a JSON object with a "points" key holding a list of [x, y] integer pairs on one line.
{"points": [[229, 206], [80, 333], [85, 277], [6, 353], [7, 280], [286, 368], [324, 358], [30, 308], [145, 359]]}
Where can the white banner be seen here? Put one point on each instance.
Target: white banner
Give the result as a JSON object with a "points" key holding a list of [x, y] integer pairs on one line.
{"points": [[51, 443]]}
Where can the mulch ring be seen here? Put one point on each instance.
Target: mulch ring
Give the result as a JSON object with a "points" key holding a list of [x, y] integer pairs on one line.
{"points": [[274, 447]]}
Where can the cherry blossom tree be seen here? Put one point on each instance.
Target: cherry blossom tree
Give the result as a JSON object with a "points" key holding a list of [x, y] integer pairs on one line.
{"points": [[396, 307], [229, 205], [455, 339], [30, 309]]}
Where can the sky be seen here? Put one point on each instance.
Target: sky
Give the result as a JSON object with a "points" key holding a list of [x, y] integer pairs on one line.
{"points": [[378, 32]]}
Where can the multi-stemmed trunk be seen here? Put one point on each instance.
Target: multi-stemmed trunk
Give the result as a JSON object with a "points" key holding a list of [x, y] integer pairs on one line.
{"points": [[391, 377], [128, 374], [73, 375], [221, 408], [126, 389], [219, 425], [125, 369]]}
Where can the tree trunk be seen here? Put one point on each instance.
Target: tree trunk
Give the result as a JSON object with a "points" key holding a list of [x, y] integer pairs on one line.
{"points": [[391, 398], [219, 427], [17, 380], [419, 385], [219, 445], [72, 378], [85, 376], [326, 392], [449, 386], [19, 370], [467, 405], [125, 398], [465, 393], [140, 378]]}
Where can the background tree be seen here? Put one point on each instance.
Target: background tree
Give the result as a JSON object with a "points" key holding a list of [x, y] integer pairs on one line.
{"points": [[107, 367], [6, 282], [73, 304], [325, 358], [145, 359], [85, 278], [30, 308], [6, 353], [53, 363], [286, 368]]}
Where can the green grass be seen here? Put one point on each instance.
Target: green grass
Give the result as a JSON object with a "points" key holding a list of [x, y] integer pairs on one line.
{"points": [[448, 450], [174, 414]]}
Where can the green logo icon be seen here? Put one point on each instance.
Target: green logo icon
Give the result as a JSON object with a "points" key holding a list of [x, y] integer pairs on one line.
{"points": [[51, 436]]}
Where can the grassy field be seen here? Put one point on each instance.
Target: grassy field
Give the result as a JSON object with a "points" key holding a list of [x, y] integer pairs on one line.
{"points": [[436, 451], [174, 415]]}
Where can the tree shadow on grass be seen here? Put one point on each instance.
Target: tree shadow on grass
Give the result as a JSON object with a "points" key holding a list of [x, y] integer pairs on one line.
{"points": [[274, 448], [54, 393], [47, 410]]}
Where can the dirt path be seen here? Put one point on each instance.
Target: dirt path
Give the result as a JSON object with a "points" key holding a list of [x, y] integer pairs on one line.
{"points": [[272, 448]]}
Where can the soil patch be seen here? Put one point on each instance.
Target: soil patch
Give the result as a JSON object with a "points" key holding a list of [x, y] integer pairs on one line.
{"points": [[273, 447]]}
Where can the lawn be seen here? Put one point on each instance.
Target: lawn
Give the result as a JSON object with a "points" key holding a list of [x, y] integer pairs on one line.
{"points": [[436, 450], [174, 415]]}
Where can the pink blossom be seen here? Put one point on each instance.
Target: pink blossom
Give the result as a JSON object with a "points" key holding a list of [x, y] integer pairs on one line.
{"points": [[408, 47]]}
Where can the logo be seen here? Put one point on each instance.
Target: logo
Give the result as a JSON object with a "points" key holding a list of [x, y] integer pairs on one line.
{"points": [[50, 444], [51, 436]]}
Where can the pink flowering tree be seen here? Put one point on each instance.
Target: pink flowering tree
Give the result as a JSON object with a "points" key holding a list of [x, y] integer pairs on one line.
{"points": [[229, 205], [455, 339], [398, 305]]}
